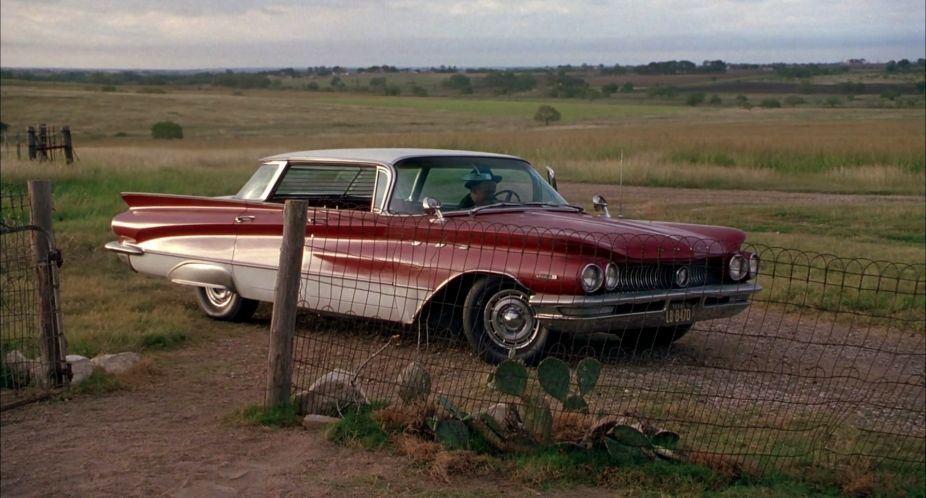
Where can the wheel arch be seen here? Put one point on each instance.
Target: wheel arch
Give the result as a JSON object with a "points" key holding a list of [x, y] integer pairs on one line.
{"points": [[453, 290]]}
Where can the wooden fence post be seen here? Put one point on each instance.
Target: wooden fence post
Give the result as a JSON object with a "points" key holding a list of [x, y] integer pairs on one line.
{"points": [[285, 299], [54, 348], [32, 145], [68, 145], [43, 142]]}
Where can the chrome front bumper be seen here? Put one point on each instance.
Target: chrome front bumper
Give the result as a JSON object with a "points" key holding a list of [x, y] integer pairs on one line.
{"points": [[606, 313]]}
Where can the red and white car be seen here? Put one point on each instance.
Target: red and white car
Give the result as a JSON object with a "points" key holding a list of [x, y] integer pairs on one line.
{"points": [[401, 235]]}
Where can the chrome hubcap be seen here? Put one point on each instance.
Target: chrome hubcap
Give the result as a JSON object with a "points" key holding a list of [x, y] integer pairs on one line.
{"points": [[219, 297], [509, 320]]}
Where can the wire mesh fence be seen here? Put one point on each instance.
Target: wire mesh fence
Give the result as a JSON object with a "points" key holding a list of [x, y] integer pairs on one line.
{"points": [[812, 360], [28, 300]]}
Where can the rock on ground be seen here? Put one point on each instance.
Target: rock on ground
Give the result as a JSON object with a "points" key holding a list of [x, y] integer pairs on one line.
{"points": [[116, 363]]}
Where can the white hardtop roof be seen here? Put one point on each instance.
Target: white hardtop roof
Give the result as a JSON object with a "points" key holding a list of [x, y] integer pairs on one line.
{"points": [[379, 156]]}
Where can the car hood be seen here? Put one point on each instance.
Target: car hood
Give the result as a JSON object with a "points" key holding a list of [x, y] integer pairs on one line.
{"points": [[633, 239]]}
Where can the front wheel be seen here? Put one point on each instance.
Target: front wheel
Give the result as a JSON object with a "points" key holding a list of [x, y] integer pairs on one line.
{"points": [[498, 318], [223, 304]]}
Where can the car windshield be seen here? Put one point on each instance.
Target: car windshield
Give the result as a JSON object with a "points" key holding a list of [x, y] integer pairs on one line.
{"points": [[464, 183]]}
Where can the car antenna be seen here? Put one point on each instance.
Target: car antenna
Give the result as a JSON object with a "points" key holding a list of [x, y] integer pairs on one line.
{"points": [[620, 189]]}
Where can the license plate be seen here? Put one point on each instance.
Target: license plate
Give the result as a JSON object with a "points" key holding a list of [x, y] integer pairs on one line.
{"points": [[678, 313]]}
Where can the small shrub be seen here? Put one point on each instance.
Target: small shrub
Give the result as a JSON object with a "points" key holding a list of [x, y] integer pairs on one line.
{"points": [[715, 100], [695, 99], [547, 113], [107, 88], [419, 91], [120, 134], [794, 100], [166, 130], [311, 86], [832, 102], [890, 94], [627, 87], [742, 101], [770, 103]]}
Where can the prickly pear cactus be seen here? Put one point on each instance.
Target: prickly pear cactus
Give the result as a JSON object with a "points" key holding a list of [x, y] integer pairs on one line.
{"points": [[414, 383], [587, 372], [453, 434], [553, 375], [510, 377], [537, 418]]}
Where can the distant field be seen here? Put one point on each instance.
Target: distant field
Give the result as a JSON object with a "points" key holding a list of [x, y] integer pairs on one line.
{"points": [[840, 150]]}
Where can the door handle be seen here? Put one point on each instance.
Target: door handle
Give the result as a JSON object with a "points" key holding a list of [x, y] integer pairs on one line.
{"points": [[243, 219]]}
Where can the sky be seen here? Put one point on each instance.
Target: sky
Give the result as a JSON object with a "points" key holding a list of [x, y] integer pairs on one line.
{"points": [[191, 34]]}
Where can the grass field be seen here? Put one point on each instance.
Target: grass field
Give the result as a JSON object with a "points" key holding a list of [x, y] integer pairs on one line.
{"points": [[730, 156], [849, 151]]}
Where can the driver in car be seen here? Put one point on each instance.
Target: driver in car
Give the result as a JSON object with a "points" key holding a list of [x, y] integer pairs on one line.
{"points": [[481, 184]]}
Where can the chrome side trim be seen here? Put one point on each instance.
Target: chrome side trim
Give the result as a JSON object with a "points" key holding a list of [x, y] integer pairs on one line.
{"points": [[124, 248], [201, 275], [614, 313], [612, 299]]}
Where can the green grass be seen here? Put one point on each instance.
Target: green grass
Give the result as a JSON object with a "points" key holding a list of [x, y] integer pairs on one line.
{"points": [[284, 415], [572, 111], [98, 383], [357, 427]]}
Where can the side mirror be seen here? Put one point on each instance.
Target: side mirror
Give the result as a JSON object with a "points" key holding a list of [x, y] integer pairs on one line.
{"points": [[551, 177], [431, 207], [601, 205]]}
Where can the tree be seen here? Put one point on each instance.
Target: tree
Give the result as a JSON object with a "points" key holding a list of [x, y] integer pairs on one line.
{"points": [[547, 113], [770, 103], [459, 82], [695, 99], [166, 130]]}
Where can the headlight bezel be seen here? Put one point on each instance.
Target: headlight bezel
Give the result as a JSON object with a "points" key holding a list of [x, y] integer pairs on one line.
{"points": [[599, 279], [612, 276], [737, 268], [753, 266]]}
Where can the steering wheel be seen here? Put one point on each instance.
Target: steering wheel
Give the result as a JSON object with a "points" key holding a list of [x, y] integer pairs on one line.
{"points": [[507, 195]]}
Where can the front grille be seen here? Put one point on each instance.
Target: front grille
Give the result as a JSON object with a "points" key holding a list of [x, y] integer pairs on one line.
{"points": [[654, 277]]}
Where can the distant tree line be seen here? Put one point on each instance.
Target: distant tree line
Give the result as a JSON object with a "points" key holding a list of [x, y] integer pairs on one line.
{"points": [[669, 67]]}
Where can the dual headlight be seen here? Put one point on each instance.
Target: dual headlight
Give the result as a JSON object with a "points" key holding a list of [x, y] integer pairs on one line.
{"points": [[593, 277], [743, 266]]}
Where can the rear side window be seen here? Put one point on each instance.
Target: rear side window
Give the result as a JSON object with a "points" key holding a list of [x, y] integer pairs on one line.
{"points": [[338, 187]]}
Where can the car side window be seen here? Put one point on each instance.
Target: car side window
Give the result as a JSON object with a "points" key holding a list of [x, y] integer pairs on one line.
{"points": [[379, 195], [334, 187]]}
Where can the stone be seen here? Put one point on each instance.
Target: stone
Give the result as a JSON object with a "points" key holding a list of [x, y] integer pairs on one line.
{"points": [[116, 363], [330, 395], [314, 421], [414, 383], [505, 415], [26, 370], [81, 368]]}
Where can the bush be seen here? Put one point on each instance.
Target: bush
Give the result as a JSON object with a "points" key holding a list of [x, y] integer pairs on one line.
{"points": [[770, 103], [715, 100], [832, 102], [793, 100], [695, 99], [166, 130], [742, 101], [547, 113]]}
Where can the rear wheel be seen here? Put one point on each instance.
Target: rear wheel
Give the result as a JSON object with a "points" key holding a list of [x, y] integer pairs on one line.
{"points": [[223, 304], [498, 318]]}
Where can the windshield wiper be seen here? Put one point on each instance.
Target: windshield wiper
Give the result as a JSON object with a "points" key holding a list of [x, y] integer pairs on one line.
{"points": [[553, 204], [493, 205]]}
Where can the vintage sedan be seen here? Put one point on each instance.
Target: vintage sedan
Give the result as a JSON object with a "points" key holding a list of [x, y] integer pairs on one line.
{"points": [[471, 240]]}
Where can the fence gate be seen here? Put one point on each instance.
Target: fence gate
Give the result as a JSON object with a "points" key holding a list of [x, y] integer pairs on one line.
{"points": [[32, 344]]}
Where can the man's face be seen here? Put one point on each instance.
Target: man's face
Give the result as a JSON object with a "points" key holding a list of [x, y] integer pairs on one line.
{"points": [[483, 193]]}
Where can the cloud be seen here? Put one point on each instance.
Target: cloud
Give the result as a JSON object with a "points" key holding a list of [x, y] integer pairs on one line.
{"points": [[213, 33]]}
